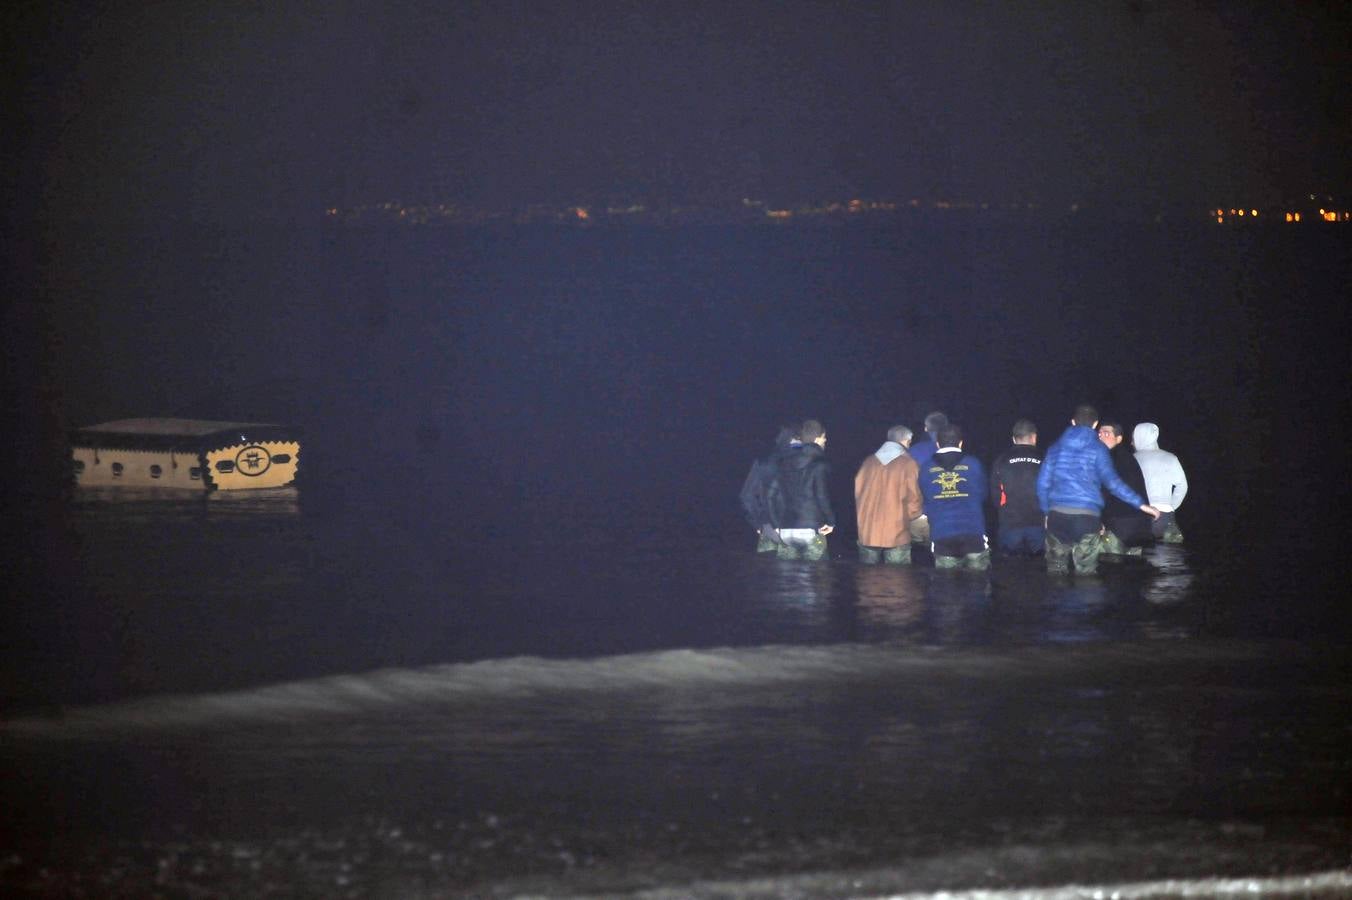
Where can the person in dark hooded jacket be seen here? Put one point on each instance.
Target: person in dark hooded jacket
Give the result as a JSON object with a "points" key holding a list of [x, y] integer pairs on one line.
{"points": [[954, 487], [755, 494], [800, 507]]}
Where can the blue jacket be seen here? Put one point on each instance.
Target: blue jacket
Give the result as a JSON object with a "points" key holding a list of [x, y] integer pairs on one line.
{"points": [[954, 486], [1073, 471], [923, 451]]}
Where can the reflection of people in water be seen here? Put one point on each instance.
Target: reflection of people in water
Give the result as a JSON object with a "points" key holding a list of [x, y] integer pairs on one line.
{"points": [[958, 608], [800, 508], [889, 596]]}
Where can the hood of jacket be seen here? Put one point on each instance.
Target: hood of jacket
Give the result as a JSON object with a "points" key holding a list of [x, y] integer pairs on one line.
{"points": [[1146, 436], [948, 458], [889, 451]]}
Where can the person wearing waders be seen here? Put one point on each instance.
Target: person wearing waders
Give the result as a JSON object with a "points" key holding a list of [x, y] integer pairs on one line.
{"points": [[755, 494], [800, 508], [1165, 483], [886, 500], [953, 484], [1070, 494], [1014, 493], [1126, 530]]}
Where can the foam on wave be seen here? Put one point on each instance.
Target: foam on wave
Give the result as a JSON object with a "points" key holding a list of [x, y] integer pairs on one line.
{"points": [[529, 678]]}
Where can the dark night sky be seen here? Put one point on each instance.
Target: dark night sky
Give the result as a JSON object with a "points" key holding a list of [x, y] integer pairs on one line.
{"points": [[279, 109]]}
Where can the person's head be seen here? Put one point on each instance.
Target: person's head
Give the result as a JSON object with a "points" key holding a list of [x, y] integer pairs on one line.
{"points": [[1146, 436], [812, 432], [1110, 433], [1024, 432], [900, 434], [934, 421], [1085, 415], [950, 436]]}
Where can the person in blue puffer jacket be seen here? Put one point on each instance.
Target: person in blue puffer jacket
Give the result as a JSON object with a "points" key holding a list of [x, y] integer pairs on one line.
{"points": [[1075, 472]]}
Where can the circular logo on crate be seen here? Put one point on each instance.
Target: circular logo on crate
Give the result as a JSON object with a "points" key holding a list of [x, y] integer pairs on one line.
{"points": [[252, 461]]}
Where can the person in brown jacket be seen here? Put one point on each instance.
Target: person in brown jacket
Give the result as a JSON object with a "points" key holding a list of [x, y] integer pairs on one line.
{"points": [[886, 499]]}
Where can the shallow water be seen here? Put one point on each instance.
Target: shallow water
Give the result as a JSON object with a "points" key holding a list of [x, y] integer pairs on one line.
{"points": [[298, 698]]}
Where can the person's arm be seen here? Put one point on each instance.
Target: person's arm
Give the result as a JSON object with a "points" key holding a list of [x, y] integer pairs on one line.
{"points": [[914, 506], [823, 498], [997, 483], [752, 496], [1108, 477], [1180, 484]]}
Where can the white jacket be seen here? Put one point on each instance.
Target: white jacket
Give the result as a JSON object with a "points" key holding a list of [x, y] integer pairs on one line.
{"points": [[1165, 483]]}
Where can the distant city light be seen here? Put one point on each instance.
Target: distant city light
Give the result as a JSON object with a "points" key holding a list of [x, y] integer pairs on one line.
{"points": [[748, 210]]}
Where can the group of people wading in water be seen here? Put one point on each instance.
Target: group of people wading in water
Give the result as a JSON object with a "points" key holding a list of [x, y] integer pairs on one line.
{"points": [[1089, 496]]}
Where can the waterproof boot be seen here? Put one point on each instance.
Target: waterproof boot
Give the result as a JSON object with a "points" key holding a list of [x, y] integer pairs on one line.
{"points": [[948, 562], [898, 556], [1172, 534], [815, 550], [1058, 555], [1085, 553], [1112, 545], [977, 562], [870, 556]]}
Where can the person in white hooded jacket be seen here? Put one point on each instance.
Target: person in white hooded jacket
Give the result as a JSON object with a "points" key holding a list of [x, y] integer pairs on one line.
{"points": [[1165, 482]]}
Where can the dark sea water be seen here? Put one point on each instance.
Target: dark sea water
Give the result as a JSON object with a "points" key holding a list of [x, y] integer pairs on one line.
{"points": [[506, 637]]}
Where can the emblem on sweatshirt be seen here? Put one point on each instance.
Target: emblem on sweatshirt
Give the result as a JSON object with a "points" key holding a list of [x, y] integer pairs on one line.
{"points": [[948, 485]]}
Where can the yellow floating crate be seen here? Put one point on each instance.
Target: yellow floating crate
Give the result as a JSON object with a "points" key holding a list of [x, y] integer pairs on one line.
{"points": [[192, 454]]}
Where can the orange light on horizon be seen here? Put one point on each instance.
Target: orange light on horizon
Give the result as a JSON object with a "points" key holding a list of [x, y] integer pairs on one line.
{"points": [[581, 213]]}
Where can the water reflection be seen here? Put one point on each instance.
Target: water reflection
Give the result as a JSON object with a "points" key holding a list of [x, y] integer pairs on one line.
{"points": [[1016, 601], [958, 608], [890, 597], [135, 503], [803, 591], [1172, 583]]}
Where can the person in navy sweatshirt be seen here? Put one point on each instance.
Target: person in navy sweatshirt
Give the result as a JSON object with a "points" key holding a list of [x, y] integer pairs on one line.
{"points": [[954, 486], [922, 451]]}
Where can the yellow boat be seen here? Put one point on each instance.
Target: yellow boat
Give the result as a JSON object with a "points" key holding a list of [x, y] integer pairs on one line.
{"points": [[194, 454]]}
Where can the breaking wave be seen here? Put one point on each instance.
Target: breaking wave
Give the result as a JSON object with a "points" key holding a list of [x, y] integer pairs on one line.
{"points": [[536, 679]]}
